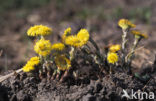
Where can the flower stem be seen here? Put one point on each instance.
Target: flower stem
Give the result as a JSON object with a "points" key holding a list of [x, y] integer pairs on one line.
{"points": [[129, 57], [98, 58], [72, 53], [124, 40], [110, 70], [124, 43]]}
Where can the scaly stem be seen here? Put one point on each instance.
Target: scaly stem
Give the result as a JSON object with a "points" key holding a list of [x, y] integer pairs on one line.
{"points": [[129, 57], [41, 69], [124, 40], [72, 53], [124, 43]]}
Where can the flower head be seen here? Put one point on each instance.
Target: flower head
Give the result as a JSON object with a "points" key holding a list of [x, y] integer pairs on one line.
{"points": [[31, 64], [125, 24], [78, 40], [39, 30], [112, 57], [58, 46], [115, 48], [62, 62], [72, 41], [139, 34], [67, 32], [43, 47], [35, 60], [83, 35]]}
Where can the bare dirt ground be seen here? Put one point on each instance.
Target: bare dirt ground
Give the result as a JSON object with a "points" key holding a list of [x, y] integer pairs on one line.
{"points": [[87, 88]]}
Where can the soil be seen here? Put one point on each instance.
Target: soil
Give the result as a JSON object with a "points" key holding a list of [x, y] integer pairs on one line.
{"points": [[107, 88]]}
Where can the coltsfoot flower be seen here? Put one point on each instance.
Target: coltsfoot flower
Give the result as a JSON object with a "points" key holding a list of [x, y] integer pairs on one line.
{"points": [[114, 48], [35, 60], [72, 40], [125, 24], [58, 46], [139, 34], [62, 62], [83, 35], [39, 30], [43, 47], [30, 66], [78, 40], [112, 57], [67, 32]]}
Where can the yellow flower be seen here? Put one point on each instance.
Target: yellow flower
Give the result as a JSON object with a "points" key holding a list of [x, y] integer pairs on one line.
{"points": [[43, 47], [39, 30], [83, 35], [138, 33], [78, 40], [114, 48], [58, 46], [62, 62], [112, 57], [31, 64], [125, 24], [35, 60], [72, 41], [67, 32], [28, 68]]}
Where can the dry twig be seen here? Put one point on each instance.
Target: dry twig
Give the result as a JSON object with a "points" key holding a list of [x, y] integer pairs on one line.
{"points": [[2, 78]]}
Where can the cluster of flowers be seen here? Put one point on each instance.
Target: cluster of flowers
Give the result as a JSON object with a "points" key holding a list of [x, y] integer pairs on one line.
{"points": [[127, 27], [53, 53], [60, 57], [31, 64]]}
